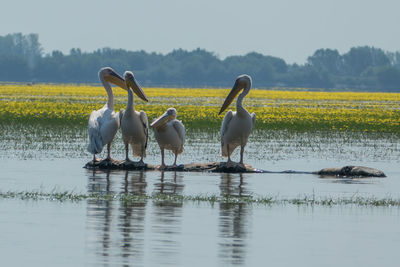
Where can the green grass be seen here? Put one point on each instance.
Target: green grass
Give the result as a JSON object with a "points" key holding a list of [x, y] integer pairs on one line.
{"points": [[209, 199]]}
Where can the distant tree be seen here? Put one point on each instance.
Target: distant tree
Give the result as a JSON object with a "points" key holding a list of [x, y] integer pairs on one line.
{"points": [[19, 55], [361, 68], [257, 65], [17, 44], [278, 64], [394, 58], [308, 76], [388, 77], [326, 60], [14, 69], [358, 59]]}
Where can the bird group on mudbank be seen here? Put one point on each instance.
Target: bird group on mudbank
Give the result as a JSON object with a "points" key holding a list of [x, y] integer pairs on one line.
{"points": [[168, 131]]}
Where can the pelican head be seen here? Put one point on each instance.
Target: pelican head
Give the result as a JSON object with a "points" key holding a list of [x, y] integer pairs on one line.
{"points": [[242, 82], [134, 85], [169, 115], [109, 75]]}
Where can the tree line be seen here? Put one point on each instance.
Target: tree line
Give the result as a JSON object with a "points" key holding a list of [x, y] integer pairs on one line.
{"points": [[362, 68]]}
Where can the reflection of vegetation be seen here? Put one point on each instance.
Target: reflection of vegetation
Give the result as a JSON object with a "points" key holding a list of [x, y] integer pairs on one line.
{"points": [[210, 199], [198, 108]]}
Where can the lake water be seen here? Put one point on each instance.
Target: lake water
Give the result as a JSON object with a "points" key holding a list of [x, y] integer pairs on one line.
{"points": [[150, 233]]}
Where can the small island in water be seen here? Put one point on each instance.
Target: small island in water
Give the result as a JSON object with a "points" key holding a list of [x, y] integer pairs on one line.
{"points": [[346, 171]]}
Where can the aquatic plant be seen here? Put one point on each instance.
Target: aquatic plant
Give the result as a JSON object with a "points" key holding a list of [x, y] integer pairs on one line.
{"points": [[210, 199], [293, 110]]}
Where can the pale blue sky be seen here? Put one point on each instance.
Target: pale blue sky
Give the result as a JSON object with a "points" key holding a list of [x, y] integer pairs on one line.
{"points": [[289, 29]]}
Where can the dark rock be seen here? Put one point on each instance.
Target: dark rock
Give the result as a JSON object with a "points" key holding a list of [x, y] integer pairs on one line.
{"points": [[351, 171]]}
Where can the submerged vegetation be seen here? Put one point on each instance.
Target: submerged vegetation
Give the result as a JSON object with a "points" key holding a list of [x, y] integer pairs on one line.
{"points": [[198, 108], [210, 199]]}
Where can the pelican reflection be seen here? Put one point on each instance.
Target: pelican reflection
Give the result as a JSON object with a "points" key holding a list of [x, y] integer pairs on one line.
{"points": [[233, 221], [166, 219], [116, 229], [170, 185]]}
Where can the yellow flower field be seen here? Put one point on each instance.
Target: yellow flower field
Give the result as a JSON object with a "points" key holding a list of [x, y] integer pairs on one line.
{"points": [[297, 110]]}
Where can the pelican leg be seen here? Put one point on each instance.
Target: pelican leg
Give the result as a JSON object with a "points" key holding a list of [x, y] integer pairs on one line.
{"points": [[141, 162], [229, 162], [108, 151], [141, 158], [241, 155], [127, 152], [176, 156], [162, 166]]}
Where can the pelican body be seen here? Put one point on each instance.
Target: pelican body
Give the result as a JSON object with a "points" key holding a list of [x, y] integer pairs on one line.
{"points": [[236, 126], [104, 123], [169, 133], [134, 124]]}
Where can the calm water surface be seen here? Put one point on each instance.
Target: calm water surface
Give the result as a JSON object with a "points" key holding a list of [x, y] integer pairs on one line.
{"points": [[112, 233]]}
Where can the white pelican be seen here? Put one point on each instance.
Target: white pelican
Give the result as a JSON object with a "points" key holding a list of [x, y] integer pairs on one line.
{"points": [[170, 134], [104, 123], [236, 126], [134, 124]]}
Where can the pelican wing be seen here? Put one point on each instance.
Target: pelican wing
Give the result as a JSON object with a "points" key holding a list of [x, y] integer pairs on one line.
{"points": [[225, 125], [109, 124], [180, 129], [253, 119], [95, 141], [145, 122]]}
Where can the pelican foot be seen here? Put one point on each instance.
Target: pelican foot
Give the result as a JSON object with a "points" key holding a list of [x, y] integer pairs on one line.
{"points": [[97, 160], [141, 163], [110, 159], [231, 166], [241, 165], [173, 167], [107, 163], [161, 167]]}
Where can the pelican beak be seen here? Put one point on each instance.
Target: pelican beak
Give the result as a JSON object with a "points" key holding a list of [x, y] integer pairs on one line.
{"points": [[164, 118], [131, 82], [116, 79], [232, 94]]}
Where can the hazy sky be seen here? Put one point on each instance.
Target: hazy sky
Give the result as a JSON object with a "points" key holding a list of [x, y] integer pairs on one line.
{"points": [[290, 29]]}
